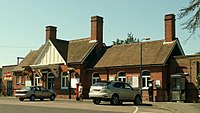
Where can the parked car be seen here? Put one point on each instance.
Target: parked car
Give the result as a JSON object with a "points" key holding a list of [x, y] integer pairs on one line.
{"points": [[116, 92], [35, 92]]}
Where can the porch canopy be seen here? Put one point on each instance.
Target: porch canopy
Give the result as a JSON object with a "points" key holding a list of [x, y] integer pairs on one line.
{"points": [[18, 69], [25, 69], [54, 68]]}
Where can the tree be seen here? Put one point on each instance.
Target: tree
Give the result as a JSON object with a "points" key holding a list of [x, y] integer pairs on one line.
{"points": [[197, 53], [130, 39], [193, 11], [198, 83]]}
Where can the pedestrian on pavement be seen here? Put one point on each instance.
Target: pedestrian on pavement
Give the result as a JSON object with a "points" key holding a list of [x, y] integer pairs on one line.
{"points": [[80, 90]]}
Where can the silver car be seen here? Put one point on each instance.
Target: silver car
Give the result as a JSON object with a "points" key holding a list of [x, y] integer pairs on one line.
{"points": [[114, 91], [35, 92]]}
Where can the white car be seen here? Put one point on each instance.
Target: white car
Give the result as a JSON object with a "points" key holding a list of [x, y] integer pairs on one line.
{"points": [[114, 91]]}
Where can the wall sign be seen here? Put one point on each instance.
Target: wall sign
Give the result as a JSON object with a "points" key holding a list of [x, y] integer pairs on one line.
{"points": [[135, 81]]}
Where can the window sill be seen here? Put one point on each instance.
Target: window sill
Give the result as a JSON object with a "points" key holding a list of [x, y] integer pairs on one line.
{"points": [[64, 88]]}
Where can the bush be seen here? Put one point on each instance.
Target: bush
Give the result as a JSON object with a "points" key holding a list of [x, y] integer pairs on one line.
{"points": [[198, 83]]}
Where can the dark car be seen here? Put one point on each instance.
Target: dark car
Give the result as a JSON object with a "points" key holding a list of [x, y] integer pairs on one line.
{"points": [[35, 92]]}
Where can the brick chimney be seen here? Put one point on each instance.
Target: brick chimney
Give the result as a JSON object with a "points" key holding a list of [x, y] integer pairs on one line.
{"points": [[50, 32], [97, 30], [170, 28]]}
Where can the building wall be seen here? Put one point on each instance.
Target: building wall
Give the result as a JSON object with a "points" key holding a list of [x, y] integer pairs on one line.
{"points": [[0, 80], [64, 93], [5, 70], [157, 74], [189, 65]]}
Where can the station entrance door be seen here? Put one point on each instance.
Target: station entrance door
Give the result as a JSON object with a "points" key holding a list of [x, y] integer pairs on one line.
{"points": [[178, 87]]}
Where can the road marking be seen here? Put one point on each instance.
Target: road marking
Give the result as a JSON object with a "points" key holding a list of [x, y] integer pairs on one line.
{"points": [[136, 109]]}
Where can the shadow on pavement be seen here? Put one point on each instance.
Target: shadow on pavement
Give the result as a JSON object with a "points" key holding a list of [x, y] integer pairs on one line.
{"points": [[143, 104]]}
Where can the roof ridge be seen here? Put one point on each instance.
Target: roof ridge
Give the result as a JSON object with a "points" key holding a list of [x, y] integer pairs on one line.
{"points": [[78, 40], [137, 43]]}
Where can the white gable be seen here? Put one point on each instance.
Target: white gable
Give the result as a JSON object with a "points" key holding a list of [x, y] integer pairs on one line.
{"points": [[49, 55]]}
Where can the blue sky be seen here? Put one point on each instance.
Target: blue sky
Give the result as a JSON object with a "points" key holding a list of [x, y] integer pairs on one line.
{"points": [[22, 22]]}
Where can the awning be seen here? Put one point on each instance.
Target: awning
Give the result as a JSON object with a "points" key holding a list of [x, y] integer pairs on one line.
{"points": [[53, 67], [18, 69]]}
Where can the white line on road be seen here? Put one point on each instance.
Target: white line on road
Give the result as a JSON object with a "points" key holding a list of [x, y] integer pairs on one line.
{"points": [[135, 109]]}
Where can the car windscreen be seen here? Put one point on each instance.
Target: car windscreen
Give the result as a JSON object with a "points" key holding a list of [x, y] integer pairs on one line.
{"points": [[101, 83], [26, 88]]}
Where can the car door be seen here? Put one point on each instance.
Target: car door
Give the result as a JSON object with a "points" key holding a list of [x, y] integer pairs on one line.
{"points": [[129, 92], [37, 92], [119, 89], [45, 93]]}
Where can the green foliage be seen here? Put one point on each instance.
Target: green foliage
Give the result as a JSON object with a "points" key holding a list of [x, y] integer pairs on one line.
{"points": [[197, 53], [192, 11], [198, 80], [198, 83], [129, 40]]}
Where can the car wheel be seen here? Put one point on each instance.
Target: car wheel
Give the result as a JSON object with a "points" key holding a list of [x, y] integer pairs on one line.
{"points": [[137, 100], [96, 101], [21, 99], [120, 102], [32, 98], [115, 100], [52, 97]]}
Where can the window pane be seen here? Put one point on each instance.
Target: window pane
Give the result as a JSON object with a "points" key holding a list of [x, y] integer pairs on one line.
{"points": [[124, 79], [22, 79], [93, 81], [122, 74], [143, 82], [63, 82], [148, 78], [65, 74], [66, 82], [96, 75]]}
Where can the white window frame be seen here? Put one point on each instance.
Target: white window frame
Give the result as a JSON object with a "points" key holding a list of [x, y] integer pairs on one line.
{"points": [[50, 76], [122, 77], [65, 77], [146, 86], [37, 79], [95, 78]]}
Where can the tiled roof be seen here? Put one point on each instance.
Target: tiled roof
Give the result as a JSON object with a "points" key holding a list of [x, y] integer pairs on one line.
{"points": [[153, 53], [29, 59], [78, 50], [74, 51]]}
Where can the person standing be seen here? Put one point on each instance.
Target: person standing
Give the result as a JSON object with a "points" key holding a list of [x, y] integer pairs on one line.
{"points": [[80, 90]]}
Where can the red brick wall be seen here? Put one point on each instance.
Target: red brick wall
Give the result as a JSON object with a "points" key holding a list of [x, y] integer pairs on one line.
{"points": [[189, 65], [6, 69], [156, 74]]}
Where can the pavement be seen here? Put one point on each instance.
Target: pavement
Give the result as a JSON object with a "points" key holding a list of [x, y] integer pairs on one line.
{"points": [[178, 107]]}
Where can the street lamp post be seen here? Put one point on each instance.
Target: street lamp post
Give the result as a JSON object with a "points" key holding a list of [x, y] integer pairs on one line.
{"points": [[141, 64]]}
